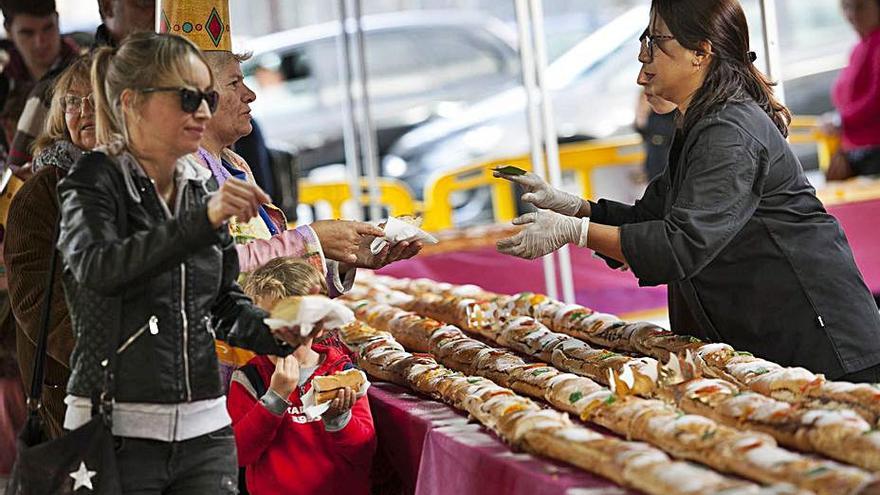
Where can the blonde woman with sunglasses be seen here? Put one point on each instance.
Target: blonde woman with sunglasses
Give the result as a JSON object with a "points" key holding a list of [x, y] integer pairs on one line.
{"points": [[150, 272]]}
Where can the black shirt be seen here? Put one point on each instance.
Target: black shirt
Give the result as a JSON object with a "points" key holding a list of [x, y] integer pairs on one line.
{"points": [[749, 253]]}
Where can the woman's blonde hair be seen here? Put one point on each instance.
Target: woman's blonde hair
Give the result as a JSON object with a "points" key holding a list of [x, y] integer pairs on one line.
{"points": [[76, 74], [284, 277], [143, 61]]}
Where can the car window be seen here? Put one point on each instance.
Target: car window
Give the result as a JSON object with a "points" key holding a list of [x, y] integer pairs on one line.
{"points": [[820, 25], [806, 31], [286, 77], [617, 69], [621, 68], [457, 55], [395, 65], [393, 54]]}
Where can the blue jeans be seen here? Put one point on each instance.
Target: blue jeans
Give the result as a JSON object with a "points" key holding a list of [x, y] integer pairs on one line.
{"points": [[203, 465]]}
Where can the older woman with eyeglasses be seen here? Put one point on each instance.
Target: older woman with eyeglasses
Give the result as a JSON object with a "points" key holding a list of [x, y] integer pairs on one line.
{"points": [[33, 215]]}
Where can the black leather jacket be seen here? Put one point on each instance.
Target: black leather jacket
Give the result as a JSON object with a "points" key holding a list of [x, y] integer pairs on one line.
{"points": [[167, 282]]}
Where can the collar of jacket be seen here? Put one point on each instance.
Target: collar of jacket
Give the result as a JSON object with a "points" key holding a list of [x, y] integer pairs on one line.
{"points": [[103, 38], [185, 170], [62, 154]]}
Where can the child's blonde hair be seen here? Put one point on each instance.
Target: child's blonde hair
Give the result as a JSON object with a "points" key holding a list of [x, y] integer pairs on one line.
{"points": [[284, 277]]}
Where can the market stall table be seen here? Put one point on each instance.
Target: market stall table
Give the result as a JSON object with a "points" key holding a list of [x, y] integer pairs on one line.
{"points": [[596, 286], [436, 451]]}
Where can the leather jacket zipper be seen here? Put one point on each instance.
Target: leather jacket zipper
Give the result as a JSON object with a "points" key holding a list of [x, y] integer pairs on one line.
{"points": [[177, 209], [185, 331], [152, 325], [210, 327]]}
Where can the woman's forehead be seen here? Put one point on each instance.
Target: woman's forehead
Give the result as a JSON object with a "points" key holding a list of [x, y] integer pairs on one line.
{"points": [[80, 87]]}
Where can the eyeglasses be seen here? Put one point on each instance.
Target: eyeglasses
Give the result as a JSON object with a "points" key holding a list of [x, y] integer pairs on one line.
{"points": [[648, 42], [190, 99], [74, 104]]}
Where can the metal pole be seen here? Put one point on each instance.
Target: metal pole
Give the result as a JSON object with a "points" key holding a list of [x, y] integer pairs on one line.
{"points": [[274, 16], [770, 28], [551, 145], [349, 124], [368, 131], [527, 64]]}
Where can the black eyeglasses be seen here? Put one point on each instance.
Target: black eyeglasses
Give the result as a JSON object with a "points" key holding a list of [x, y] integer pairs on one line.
{"points": [[190, 99], [648, 42]]}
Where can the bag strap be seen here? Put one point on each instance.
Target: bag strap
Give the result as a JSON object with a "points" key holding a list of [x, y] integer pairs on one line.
{"points": [[34, 398], [253, 376], [103, 403]]}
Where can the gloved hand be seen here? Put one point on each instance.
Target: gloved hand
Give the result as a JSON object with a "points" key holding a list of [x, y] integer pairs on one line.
{"points": [[544, 232], [540, 194]]}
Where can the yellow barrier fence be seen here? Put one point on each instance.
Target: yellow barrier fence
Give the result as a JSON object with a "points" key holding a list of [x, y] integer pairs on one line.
{"points": [[805, 129], [581, 159], [393, 194]]}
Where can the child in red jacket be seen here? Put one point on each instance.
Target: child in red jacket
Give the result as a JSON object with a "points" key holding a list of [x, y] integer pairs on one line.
{"points": [[283, 450]]}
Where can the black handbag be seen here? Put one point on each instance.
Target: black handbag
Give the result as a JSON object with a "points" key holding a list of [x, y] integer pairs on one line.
{"points": [[81, 461]]}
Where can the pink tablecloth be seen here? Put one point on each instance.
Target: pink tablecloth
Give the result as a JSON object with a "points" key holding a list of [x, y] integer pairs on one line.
{"points": [[861, 222], [598, 287], [436, 451]]}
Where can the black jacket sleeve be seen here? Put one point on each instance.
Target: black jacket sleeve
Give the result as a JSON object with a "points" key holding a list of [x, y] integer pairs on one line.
{"points": [[237, 320], [90, 240], [721, 189], [649, 207]]}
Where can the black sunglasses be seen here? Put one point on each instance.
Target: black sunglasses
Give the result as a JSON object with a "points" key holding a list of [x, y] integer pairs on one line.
{"points": [[190, 99], [649, 41]]}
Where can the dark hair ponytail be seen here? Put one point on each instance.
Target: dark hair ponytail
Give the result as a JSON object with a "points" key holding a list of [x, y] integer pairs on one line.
{"points": [[732, 75]]}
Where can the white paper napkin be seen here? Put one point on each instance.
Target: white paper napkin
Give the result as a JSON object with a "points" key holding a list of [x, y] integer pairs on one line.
{"points": [[314, 309], [313, 411], [397, 231]]}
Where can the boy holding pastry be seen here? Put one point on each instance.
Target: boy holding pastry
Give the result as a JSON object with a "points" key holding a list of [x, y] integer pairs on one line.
{"points": [[283, 449]]}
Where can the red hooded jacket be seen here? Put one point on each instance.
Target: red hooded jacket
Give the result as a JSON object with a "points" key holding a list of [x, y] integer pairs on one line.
{"points": [[290, 454]]}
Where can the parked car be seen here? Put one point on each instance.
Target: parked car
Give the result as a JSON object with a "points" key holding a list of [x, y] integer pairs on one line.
{"points": [[593, 92], [419, 65]]}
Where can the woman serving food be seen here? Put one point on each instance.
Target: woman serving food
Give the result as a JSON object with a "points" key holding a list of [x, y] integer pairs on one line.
{"points": [[732, 226]]}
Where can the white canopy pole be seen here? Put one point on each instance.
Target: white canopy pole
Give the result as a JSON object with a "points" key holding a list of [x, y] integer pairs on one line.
{"points": [[368, 131], [527, 64], [349, 124], [551, 145], [770, 28]]}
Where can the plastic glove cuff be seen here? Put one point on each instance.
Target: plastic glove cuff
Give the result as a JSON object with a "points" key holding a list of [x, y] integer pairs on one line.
{"points": [[584, 232]]}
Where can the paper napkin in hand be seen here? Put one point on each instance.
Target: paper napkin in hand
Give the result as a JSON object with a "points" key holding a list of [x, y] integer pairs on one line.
{"points": [[308, 311], [397, 231]]}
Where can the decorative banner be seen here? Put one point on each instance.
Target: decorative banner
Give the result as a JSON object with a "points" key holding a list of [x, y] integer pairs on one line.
{"points": [[204, 22]]}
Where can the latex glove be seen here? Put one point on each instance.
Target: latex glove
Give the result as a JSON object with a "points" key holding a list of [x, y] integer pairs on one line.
{"points": [[540, 194], [544, 232]]}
